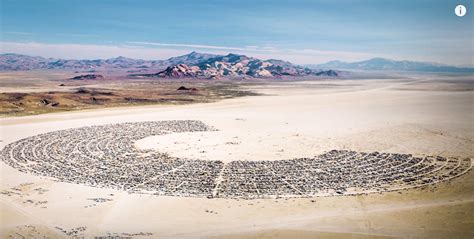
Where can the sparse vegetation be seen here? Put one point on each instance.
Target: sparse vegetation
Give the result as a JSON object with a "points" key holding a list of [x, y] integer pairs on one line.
{"points": [[147, 92]]}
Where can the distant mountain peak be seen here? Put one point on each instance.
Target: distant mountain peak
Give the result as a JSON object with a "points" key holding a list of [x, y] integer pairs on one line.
{"points": [[379, 59], [190, 58], [235, 55], [384, 64], [122, 58]]}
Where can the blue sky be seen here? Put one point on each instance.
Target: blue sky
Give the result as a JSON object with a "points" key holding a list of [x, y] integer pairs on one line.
{"points": [[299, 31]]}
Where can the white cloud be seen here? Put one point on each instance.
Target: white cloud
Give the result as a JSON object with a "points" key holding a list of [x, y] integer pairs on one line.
{"points": [[156, 51], [159, 44]]}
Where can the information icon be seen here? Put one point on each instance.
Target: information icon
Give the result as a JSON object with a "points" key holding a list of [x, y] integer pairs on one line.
{"points": [[460, 10]]}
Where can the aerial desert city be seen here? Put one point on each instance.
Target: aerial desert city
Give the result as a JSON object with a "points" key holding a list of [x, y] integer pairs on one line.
{"points": [[236, 119]]}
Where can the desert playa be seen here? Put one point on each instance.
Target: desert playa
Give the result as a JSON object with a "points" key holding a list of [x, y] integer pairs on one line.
{"points": [[422, 115]]}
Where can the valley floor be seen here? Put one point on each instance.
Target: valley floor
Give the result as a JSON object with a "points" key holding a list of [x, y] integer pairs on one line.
{"points": [[39, 92], [420, 115]]}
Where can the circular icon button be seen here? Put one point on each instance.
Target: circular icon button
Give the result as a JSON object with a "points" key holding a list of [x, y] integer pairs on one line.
{"points": [[460, 10]]}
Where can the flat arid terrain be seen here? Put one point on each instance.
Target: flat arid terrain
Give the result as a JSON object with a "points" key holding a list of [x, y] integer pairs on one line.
{"points": [[37, 92], [413, 116]]}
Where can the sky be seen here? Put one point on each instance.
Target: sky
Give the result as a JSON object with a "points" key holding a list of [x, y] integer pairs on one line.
{"points": [[300, 31]]}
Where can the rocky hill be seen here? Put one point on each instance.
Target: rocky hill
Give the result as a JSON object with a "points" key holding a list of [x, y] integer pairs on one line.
{"points": [[89, 77], [14, 62], [233, 65]]}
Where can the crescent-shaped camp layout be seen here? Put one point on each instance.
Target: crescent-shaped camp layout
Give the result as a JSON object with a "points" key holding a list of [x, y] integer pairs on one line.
{"points": [[105, 156]]}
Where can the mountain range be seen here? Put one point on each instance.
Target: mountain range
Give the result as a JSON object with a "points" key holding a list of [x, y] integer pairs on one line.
{"points": [[382, 64], [233, 65], [202, 65], [192, 65], [15, 62]]}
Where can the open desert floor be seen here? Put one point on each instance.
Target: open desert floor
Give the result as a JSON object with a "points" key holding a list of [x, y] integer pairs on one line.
{"points": [[38, 92], [419, 115]]}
